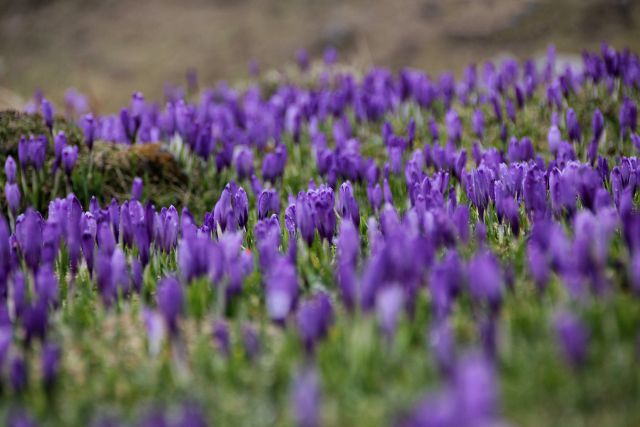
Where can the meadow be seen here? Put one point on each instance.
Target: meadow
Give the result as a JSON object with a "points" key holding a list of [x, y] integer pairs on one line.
{"points": [[328, 246]]}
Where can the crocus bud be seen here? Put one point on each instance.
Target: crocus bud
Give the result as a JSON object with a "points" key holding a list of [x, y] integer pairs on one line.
{"points": [[136, 188], [305, 398], [477, 122], [50, 363], [244, 163], [348, 206], [485, 279], [572, 338], [12, 193], [330, 56], [281, 287], [304, 218], [19, 374], [170, 302], [573, 126], [268, 203], [389, 303], [89, 130], [10, 169], [29, 234], [47, 114], [137, 105], [597, 124], [23, 152], [454, 126], [69, 158], [302, 58], [250, 341], [37, 150], [221, 337], [314, 318]]}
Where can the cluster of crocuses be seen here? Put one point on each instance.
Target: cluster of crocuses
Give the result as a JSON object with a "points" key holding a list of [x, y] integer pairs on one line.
{"points": [[32, 156], [435, 211]]}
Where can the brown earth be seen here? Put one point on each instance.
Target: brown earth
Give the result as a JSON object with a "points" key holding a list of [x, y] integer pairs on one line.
{"points": [[108, 48]]}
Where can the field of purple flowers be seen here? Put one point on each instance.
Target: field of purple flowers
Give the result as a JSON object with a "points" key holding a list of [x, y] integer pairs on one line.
{"points": [[329, 248]]}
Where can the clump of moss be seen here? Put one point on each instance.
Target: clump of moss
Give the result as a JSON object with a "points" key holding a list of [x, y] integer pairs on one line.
{"points": [[115, 166]]}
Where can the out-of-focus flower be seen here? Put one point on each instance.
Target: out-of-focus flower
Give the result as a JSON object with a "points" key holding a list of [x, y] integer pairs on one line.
{"points": [[314, 317], [10, 170], [136, 188], [305, 398], [281, 290], [12, 194], [572, 338], [47, 114], [50, 365], [170, 302], [88, 126], [69, 158]]}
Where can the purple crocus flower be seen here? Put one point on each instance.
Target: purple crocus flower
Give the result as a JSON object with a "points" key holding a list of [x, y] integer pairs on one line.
{"points": [[281, 289], [29, 234], [554, 137], [442, 341], [137, 105], [23, 152], [314, 318], [348, 206], [389, 303], [111, 275], [597, 125], [305, 398], [476, 391], [12, 194], [19, 375], [37, 151], [191, 416], [348, 244], [573, 126], [221, 337], [50, 365], [47, 114], [34, 319], [485, 279], [268, 204], [628, 117], [538, 265], [136, 188], [304, 217], [69, 158], [46, 285], [198, 256], [572, 337], [250, 342], [170, 302], [20, 418], [88, 126], [330, 55], [454, 126], [477, 123], [59, 143], [10, 170], [302, 58], [244, 163]]}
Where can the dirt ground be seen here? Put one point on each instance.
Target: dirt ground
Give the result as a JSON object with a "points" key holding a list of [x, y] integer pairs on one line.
{"points": [[108, 48]]}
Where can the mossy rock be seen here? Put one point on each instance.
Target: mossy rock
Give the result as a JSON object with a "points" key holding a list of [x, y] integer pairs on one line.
{"points": [[116, 165]]}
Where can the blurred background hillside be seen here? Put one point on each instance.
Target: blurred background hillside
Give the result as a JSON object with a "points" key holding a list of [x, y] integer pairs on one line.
{"points": [[108, 48]]}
